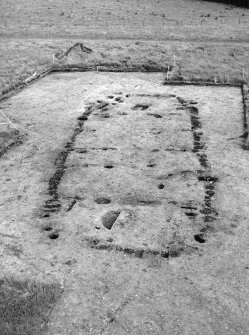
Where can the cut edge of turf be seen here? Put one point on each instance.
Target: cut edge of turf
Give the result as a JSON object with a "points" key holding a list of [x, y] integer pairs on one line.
{"points": [[174, 79], [61, 63]]}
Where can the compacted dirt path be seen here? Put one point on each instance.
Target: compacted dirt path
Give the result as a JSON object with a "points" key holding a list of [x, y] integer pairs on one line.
{"points": [[134, 196]]}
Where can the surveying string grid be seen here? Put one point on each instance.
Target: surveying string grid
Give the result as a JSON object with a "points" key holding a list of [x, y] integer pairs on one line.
{"points": [[9, 122]]}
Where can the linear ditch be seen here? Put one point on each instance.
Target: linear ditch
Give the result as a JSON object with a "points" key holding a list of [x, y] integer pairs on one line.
{"points": [[245, 99], [204, 174], [53, 204], [98, 244]]}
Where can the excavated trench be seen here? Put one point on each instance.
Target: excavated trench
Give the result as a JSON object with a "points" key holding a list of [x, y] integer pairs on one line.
{"points": [[204, 174], [52, 205], [142, 168], [133, 195]]}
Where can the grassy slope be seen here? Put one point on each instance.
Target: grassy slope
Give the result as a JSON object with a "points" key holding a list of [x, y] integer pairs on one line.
{"points": [[25, 305], [206, 38]]}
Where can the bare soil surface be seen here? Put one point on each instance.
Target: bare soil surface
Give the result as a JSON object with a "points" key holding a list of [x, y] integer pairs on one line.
{"points": [[134, 196]]}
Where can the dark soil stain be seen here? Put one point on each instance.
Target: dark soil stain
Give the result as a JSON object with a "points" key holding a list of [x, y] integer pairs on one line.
{"points": [[148, 202], [12, 144], [191, 215], [82, 118], [175, 248], [200, 238], [140, 107], [53, 236], [157, 116], [134, 200], [108, 148], [53, 205], [102, 200], [244, 136], [204, 174], [47, 228], [165, 96], [119, 99], [190, 209], [70, 207], [184, 173], [175, 114], [102, 104], [81, 150], [105, 116]]}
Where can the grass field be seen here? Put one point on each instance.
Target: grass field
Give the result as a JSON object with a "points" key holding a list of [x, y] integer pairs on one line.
{"points": [[139, 19], [204, 39]]}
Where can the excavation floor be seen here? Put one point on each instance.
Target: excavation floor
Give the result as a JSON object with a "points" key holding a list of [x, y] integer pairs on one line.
{"points": [[134, 195]]}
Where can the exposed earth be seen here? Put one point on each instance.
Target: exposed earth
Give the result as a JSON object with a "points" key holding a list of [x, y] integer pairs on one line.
{"points": [[134, 196]]}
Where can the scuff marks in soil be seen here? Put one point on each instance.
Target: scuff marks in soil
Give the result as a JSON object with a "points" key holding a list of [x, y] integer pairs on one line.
{"points": [[204, 174], [53, 205]]}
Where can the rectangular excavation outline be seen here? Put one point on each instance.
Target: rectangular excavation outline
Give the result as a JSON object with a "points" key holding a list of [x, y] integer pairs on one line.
{"points": [[52, 204]]}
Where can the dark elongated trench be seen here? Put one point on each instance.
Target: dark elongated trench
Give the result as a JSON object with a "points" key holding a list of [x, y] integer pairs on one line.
{"points": [[53, 205], [204, 173]]}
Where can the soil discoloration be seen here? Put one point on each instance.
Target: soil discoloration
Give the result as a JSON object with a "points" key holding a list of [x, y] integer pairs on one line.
{"points": [[204, 174], [157, 116], [53, 204], [70, 207], [173, 249], [102, 200], [245, 101], [141, 107]]}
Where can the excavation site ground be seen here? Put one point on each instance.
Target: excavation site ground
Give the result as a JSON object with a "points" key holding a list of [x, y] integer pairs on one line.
{"points": [[133, 194]]}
